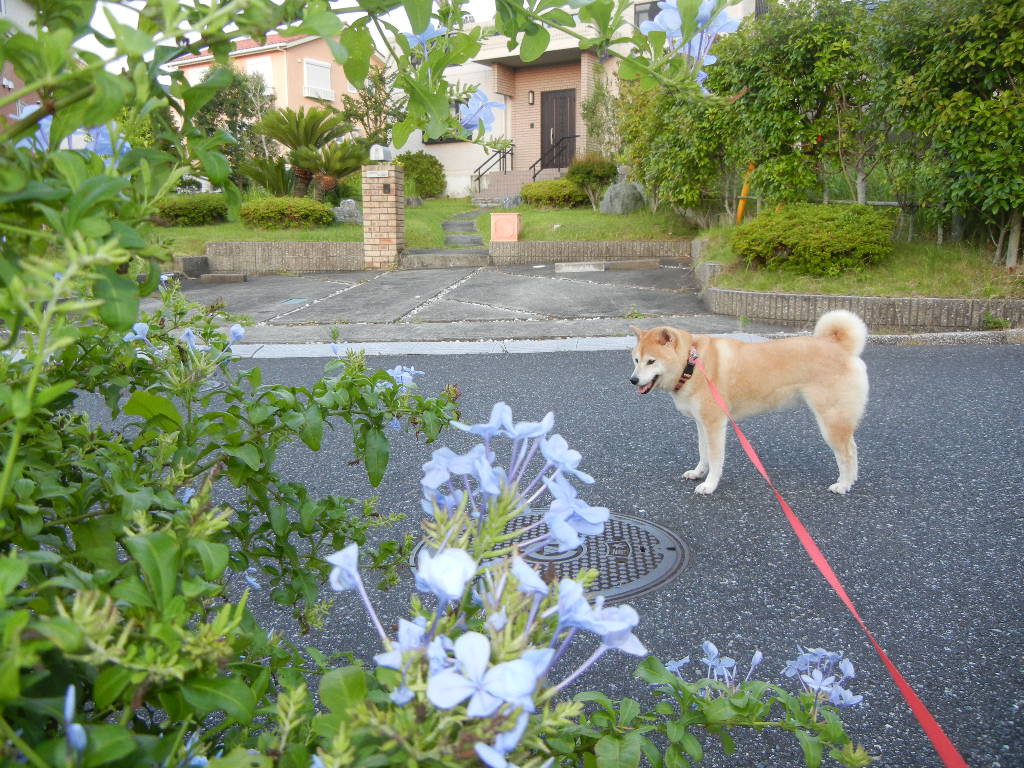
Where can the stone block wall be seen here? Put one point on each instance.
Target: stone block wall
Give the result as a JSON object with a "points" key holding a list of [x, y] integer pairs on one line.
{"points": [[549, 252], [383, 215]]}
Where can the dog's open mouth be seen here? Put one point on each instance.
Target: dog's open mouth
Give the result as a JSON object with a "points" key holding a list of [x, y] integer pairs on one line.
{"points": [[643, 389]]}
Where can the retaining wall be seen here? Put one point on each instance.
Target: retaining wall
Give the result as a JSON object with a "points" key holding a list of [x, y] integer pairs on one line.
{"points": [[549, 252], [261, 258]]}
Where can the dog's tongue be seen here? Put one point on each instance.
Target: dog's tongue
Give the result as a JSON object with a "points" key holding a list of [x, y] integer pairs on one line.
{"points": [[645, 388]]}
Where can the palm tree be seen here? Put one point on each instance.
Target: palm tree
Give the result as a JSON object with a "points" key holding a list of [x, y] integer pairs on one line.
{"points": [[303, 130], [331, 163]]}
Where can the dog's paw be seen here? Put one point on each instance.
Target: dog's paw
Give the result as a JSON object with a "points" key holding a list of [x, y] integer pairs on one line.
{"points": [[840, 488], [705, 489], [695, 474]]}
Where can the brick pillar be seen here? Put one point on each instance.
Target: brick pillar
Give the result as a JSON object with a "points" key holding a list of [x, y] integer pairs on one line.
{"points": [[383, 215]]}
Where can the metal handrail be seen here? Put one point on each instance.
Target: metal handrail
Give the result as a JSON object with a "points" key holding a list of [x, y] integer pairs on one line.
{"points": [[551, 151], [505, 158]]}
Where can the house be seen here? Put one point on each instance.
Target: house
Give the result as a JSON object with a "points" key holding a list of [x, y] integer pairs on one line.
{"points": [[543, 102], [21, 13], [299, 71]]}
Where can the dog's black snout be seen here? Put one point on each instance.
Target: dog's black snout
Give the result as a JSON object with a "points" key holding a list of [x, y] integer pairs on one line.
{"points": [[634, 380]]}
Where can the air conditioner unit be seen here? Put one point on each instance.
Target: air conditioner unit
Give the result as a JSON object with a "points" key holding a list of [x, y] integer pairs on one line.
{"points": [[324, 94]]}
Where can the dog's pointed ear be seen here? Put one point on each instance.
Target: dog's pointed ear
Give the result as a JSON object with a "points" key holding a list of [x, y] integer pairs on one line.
{"points": [[666, 336], [636, 331]]}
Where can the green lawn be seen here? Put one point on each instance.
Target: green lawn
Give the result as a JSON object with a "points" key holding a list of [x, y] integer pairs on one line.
{"points": [[913, 269], [588, 224], [422, 230]]}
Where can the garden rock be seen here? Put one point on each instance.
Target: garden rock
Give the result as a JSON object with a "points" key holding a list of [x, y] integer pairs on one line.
{"points": [[348, 212], [622, 197], [414, 202], [512, 201]]}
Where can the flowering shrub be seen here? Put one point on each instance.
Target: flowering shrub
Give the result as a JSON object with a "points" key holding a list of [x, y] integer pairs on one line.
{"points": [[474, 675]]}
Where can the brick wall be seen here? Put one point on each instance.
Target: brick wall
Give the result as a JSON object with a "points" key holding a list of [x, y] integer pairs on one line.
{"points": [[383, 215], [267, 258], [549, 252], [504, 80]]}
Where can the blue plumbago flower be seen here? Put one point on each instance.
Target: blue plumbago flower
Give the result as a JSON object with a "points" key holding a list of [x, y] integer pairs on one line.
{"points": [[501, 420], [189, 337], [395, 425], [615, 625], [403, 376], [755, 662], [676, 666], [317, 762], [235, 333], [345, 573], [425, 36], [718, 666], [562, 457], [401, 695], [445, 502], [335, 349], [164, 277], [487, 688], [412, 636], [437, 654], [581, 516], [539, 659], [498, 620], [573, 608], [508, 740], [846, 667], [524, 430], [198, 761], [444, 574], [492, 757], [529, 580], [669, 21], [841, 697], [139, 332], [251, 580], [478, 111], [76, 736], [69, 704], [817, 682]]}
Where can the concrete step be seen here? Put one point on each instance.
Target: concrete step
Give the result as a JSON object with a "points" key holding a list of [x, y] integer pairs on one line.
{"points": [[458, 240], [603, 266], [437, 259], [459, 225], [223, 277]]}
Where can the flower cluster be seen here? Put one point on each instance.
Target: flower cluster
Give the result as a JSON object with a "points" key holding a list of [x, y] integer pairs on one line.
{"points": [[493, 643], [712, 21], [823, 673]]}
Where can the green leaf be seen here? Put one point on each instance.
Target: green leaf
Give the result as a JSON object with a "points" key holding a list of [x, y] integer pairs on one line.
{"points": [[691, 744], [230, 694], [107, 743], [247, 453], [213, 555], [54, 391], [133, 592], [12, 571], [812, 748], [359, 43], [613, 752], [342, 687], [109, 685], [312, 431], [240, 757], [157, 556], [674, 758], [535, 43], [120, 297], [378, 452], [418, 12], [628, 710], [155, 409]]}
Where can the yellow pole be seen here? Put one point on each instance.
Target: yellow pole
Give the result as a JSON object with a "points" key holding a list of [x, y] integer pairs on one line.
{"points": [[742, 207]]}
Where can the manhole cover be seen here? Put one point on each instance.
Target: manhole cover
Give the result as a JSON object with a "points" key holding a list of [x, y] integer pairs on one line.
{"points": [[632, 557]]}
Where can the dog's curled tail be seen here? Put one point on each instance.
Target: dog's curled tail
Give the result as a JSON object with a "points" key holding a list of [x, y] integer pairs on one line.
{"points": [[844, 328]]}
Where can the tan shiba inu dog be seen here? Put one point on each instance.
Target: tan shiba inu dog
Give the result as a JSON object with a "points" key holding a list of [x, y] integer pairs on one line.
{"points": [[825, 370]]}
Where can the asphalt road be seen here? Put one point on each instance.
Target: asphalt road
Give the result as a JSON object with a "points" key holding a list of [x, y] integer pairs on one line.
{"points": [[927, 543]]}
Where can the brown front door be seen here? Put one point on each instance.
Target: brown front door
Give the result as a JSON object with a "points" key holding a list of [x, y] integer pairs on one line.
{"points": [[557, 121]]}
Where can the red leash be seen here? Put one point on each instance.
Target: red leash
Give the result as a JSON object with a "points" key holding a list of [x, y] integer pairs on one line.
{"points": [[943, 746]]}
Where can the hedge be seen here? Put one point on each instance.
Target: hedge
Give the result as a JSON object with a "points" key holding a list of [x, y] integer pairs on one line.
{"points": [[554, 193], [193, 210], [816, 240], [286, 213]]}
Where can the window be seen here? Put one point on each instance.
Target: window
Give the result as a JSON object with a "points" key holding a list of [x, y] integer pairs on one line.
{"points": [[264, 67], [195, 74], [318, 80], [644, 12]]}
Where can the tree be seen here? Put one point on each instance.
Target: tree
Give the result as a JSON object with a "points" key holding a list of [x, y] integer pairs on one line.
{"points": [[376, 106], [956, 75], [303, 132], [236, 108]]}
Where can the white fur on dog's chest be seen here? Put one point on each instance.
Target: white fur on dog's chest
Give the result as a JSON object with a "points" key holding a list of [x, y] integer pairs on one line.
{"points": [[683, 404]]}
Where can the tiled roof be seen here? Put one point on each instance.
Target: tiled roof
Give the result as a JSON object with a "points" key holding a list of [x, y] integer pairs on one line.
{"points": [[241, 45]]}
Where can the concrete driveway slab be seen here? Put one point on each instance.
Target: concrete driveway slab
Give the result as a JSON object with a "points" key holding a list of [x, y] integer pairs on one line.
{"points": [[567, 297], [665, 279], [385, 299]]}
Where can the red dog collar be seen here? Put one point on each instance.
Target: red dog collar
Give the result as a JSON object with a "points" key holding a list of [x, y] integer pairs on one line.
{"points": [[688, 370]]}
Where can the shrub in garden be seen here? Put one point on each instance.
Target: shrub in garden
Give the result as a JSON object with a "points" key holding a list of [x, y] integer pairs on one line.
{"points": [[193, 210], [592, 174], [816, 240], [286, 213], [425, 172], [554, 193]]}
